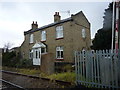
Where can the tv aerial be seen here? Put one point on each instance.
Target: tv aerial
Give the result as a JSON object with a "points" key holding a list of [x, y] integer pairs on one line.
{"points": [[68, 12]]}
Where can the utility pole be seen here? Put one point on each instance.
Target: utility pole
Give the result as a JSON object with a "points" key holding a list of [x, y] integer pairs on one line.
{"points": [[113, 26], [117, 24]]}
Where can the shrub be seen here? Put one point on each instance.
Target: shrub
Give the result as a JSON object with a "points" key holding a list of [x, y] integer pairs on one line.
{"points": [[67, 68], [25, 63], [64, 67], [10, 59]]}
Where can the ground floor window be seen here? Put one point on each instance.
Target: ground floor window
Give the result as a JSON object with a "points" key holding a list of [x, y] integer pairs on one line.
{"points": [[59, 52], [43, 50]]}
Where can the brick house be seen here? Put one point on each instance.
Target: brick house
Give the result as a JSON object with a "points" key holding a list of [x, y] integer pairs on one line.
{"points": [[60, 38]]}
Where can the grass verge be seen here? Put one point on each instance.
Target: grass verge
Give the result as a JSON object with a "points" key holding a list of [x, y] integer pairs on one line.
{"points": [[65, 76]]}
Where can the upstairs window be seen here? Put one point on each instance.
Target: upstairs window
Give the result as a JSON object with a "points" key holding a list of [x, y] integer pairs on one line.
{"points": [[43, 36], [59, 52], [31, 38], [59, 32], [83, 33]]}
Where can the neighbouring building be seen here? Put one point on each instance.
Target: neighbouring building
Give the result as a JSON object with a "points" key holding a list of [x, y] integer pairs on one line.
{"points": [[16, 50], [60, 38], [1, 53]]}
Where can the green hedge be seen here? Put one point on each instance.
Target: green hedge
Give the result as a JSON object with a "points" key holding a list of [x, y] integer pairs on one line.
{"points": [[10, 59]]}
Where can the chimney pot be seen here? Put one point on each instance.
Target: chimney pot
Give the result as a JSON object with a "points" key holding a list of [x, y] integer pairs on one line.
{"points": [[57, 13], [57, 17], [33, 22], [34, 25]]}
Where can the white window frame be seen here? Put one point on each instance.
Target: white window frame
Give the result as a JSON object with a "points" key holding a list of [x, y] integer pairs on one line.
{"points": [[43, 35], [59, 32], [59, 49], [83, 33], [31, 38]]}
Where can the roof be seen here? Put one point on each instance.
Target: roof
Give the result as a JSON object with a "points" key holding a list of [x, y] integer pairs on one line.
{"points": [[49, 25], [83, 15], [55, 23]]}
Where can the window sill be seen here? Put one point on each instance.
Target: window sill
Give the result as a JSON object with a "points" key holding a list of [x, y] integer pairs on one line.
{"points": [[30, 43], [59, 38], [60, 59], [43, 53], [43, 41]]}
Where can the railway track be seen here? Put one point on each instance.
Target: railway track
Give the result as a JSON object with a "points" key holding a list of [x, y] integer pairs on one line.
{"points": [[40, 80], [6, 85]]}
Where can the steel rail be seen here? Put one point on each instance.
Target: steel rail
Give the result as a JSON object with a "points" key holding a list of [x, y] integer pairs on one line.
{"points": [[36, 77], [12, 84]]}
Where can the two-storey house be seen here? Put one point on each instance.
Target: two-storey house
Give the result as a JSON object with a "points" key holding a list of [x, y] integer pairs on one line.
{"points": [[61, 38]]}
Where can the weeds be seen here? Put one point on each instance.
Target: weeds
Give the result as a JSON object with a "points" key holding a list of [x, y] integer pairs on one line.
{"points": [[24, 71], [66, 76]]}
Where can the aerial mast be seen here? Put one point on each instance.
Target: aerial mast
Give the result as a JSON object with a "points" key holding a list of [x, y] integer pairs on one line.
{"points": [[68, 12]]}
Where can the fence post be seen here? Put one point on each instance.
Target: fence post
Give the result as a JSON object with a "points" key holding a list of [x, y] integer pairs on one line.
{"points": [[116, 69], [119, 67], [76, 67]]}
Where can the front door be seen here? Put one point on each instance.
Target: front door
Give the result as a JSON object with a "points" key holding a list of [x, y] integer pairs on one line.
{"points": [[37, 56]]}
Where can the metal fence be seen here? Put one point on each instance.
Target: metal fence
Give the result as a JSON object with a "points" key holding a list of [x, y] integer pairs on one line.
{"points": [[100, 69]]}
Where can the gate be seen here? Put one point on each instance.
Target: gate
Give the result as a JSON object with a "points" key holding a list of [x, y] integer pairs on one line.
{"points": [[100, 69]]}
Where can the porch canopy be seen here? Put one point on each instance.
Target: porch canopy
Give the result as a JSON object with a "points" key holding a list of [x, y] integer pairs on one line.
{"points": [[37, 50], [39, 45]]}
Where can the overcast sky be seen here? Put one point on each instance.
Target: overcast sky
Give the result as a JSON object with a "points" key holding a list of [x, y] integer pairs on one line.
{"points": [[17, 17]]}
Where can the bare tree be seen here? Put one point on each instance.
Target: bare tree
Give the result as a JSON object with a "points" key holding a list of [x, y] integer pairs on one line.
{"points": [[7, 46]]}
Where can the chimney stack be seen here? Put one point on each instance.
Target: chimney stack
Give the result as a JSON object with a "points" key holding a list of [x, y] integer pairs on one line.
{"points": [[34, 25], [57, 17]]}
